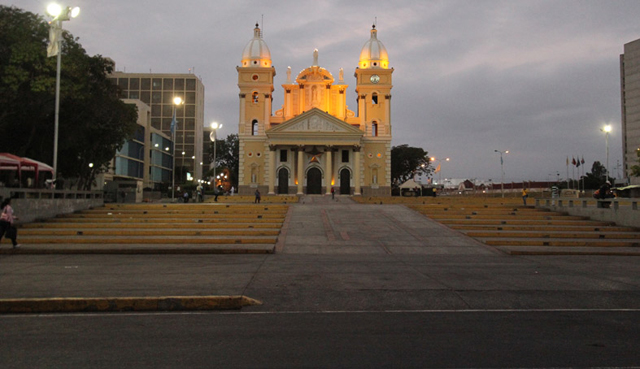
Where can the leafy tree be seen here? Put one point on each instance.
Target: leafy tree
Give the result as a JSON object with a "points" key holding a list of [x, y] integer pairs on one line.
{"points": [[635, 169], [93, 121], [407, 161], [594, 179], [227, 156]]}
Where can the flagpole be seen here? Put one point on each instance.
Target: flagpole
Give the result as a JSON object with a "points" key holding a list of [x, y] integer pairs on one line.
{"points": [[567, 171]]}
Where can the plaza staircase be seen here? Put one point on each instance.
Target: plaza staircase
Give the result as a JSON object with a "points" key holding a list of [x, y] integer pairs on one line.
{"points": [[519, 230], [158, 229]]}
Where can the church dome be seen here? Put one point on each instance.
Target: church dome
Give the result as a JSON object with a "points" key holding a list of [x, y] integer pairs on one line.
{"points": [[256, 53], [374, 54]]}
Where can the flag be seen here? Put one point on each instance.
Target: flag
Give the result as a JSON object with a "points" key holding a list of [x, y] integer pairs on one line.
{"points": [[437, 169], [582, 162], [578, 162], [174, 122], [573, 161], [55, 33]]}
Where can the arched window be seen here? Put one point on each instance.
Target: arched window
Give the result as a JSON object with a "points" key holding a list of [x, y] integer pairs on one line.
{"points": [[374, 129], [254, 128], [254, 97], [374, 98]]}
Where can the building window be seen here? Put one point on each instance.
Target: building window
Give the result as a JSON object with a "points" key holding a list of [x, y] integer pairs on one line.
{"points": [[254, 128], [179, 84], [374, 129], [254, 97], [145, 83], [157, 84], [168, 83], [345, 156], [374, 98], [123, 83], [374, 176], [283, 156], [191, 84], [145, 97], [134, 83]]}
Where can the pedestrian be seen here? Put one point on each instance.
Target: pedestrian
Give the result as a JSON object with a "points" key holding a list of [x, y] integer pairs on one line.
{"points": [[123, 195], [6, 223], [333, 193], [199, 193], [525, 195], [257, 201], [185, 197], [216, 193], [232, 190]]}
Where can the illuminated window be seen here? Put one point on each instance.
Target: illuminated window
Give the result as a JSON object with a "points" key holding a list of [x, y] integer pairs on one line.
{"points": [[254, 97], [374, 98], [374, 129], [254, 128]]}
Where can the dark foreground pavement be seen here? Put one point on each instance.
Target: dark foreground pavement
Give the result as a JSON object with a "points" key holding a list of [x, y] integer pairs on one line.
{"points": [[351, 286]]}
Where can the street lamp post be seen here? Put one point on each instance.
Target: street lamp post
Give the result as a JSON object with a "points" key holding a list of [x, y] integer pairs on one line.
{"points": [[502, 169], [606, 129], [213, 137], [59, 15], [176, 101], [433, 158]]}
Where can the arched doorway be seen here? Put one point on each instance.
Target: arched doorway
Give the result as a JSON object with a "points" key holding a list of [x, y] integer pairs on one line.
{"points": [[345, 182], [283, 181], [314, 181]]}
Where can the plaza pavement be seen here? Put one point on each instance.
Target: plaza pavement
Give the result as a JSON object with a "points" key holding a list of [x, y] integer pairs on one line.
{"points": [[333, 255]]}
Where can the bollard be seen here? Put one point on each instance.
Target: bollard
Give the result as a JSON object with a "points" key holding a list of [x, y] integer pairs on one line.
{"points": [[570, 203], [634, 205], [584, 203]]}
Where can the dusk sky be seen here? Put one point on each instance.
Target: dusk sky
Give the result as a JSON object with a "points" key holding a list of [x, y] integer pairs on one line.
{"points": [[537, 78]]}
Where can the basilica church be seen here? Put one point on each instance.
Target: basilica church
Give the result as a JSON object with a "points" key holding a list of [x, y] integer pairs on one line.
{"points": [[314, 142]]}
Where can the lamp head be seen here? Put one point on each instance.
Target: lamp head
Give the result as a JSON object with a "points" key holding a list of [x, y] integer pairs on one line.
{"points": [[607, 128], [214, 125], [177, 100]]}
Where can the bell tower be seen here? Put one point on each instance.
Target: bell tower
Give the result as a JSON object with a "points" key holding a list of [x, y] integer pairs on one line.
{"points": [[255, 81], [373, 88]]}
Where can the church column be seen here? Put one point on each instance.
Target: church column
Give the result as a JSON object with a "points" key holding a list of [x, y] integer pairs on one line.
{"points": [[300, 169], [362, 114], [356, 169], [267, 110], [272, 168], [328, 173]]}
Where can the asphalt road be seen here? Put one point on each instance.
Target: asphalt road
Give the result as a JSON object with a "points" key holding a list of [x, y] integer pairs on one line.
{"points": [[400, 339]]}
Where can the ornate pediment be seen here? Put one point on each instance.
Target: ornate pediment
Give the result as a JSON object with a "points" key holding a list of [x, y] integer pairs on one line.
{"points": [[315, 120]]}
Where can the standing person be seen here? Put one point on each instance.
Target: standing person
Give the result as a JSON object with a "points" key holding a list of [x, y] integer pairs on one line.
{"points": [[333, 193], [525, 195], [6, 223], [233, 189], [199, 193], [216, 193], [185, 197], [257, 201]]}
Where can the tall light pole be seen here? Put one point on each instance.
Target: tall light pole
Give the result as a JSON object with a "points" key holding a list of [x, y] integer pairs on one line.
{"points": [[606, 129], [433, 158], [502, 169], [59, 15], [213, 137], [176, 101]]}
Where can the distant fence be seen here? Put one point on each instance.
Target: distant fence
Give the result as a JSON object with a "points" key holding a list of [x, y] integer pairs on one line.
{"points": [[30, 205]]}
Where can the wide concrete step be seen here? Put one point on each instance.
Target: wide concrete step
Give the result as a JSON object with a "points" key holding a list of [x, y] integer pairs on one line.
{"points": [[185, 211], [578, 242], [575, 251], [122, 239], [138, 225], [171, 216], [165, 220], [559, 234], [143, 249], [192, 206], [520, 222], [444, 217], [148, 232], [549, 228]]}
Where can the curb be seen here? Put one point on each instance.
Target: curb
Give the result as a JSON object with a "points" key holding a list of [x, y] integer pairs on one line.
{"points": [[124, 304]]}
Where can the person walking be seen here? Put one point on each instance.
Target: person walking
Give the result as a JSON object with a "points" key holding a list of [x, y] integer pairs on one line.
{"points": [[6, 223], [525, 195], [257, 200], [333, 193]]}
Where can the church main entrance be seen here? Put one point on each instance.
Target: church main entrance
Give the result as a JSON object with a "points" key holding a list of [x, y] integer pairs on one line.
{"points": [[314, 181], [283, 181], [345, 182]]}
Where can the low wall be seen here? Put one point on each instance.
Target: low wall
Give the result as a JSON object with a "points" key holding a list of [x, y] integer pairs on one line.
{"points": [[31, 205], [621, 212]]}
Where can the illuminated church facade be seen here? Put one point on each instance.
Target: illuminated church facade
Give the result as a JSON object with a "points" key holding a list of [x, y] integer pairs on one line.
{"points": [[314, 142]]}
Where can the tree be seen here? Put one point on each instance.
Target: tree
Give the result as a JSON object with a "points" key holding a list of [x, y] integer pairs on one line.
{"points": [[596, 177], [227, 156], [94, 122], [635, 169], [406, 162]]}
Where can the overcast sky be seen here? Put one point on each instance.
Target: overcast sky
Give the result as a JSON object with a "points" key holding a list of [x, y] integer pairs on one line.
{"points": [[537, 78]]}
